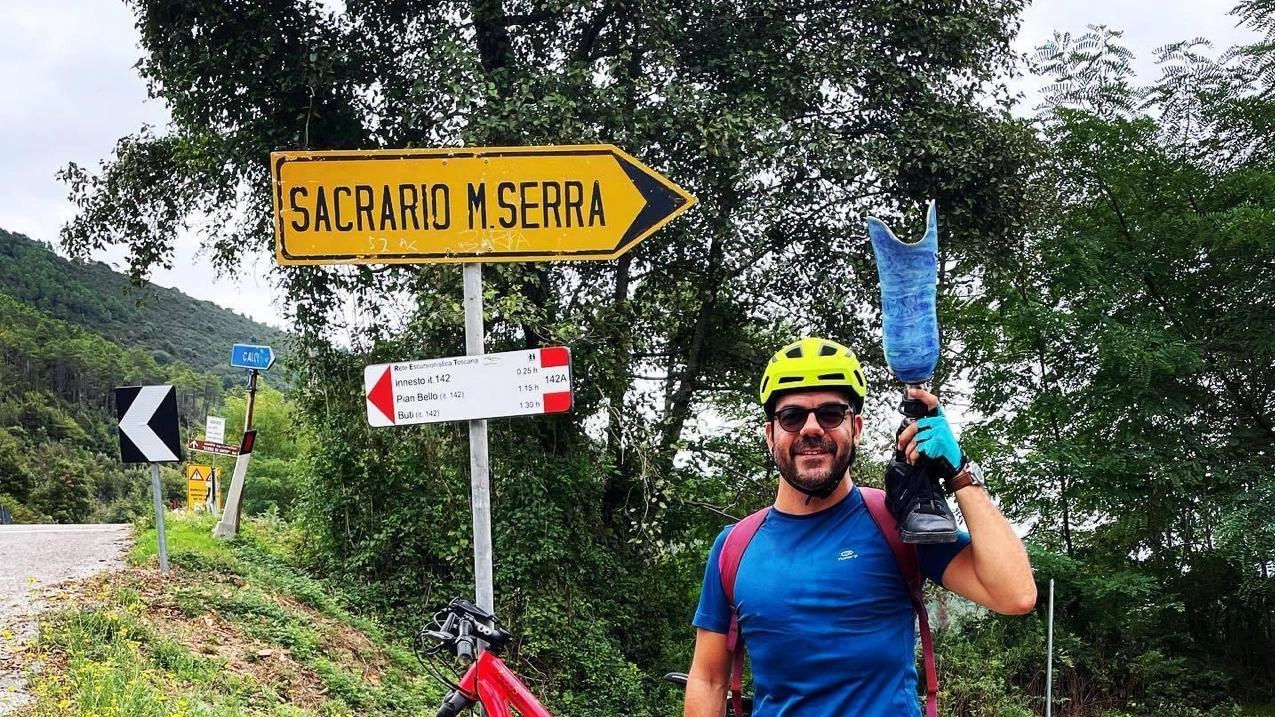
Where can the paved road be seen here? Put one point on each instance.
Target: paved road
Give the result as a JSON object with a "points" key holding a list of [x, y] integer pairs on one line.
{"points": [[33, 558]]}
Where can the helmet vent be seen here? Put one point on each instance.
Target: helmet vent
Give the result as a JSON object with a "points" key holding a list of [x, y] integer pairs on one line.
{"points": [[859, 376], [788, 379], [827, 350], [832, 377], [794, 352]]}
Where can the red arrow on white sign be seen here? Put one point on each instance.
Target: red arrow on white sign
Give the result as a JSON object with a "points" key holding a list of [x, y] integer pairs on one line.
{"points": [[465, 388]]}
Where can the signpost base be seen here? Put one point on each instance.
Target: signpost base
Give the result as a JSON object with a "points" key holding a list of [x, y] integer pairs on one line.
{"points": [[228, 526]]}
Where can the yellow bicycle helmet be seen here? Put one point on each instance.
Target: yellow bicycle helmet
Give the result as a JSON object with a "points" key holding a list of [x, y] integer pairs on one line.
{"points": [[813, 363]]}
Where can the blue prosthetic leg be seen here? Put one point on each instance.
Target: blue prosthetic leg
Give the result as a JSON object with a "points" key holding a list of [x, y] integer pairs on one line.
{"points": [[910, 331], [909, 316]]}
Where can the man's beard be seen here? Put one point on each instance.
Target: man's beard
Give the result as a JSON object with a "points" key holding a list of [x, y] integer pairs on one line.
{"points": [[820, 483]]}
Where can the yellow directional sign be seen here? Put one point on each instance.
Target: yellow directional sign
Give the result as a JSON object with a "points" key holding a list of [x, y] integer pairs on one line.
{"points": [[470, 204]]}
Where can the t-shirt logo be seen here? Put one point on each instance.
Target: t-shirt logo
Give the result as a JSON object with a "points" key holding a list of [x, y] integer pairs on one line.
{"points": [[847, 555]]}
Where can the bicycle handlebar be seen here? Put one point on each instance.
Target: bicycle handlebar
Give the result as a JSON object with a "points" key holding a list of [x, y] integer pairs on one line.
{"points": [[459, 627]]}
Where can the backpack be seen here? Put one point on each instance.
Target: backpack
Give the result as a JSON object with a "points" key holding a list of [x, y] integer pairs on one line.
{"points": [[904, 554]]}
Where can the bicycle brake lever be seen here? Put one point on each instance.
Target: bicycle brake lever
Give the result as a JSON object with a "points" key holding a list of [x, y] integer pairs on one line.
{"points": [[472, 610]]}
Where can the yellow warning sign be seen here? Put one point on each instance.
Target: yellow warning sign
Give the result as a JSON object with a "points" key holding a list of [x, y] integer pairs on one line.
{"points": [[467, 204], [198, 480]]}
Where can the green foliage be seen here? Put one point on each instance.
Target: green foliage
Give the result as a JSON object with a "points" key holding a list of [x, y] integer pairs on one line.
{"points": [[21, 512], [66, 495], [1122, 352], [58, 441], [272, 485], [279, 435], [979, 663], [15, 476]]}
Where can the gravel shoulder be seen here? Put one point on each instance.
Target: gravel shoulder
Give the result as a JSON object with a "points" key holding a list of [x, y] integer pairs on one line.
{"points": [[37, 562]]}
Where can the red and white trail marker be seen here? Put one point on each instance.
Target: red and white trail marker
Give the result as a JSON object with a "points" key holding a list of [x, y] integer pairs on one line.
{"points": [[466, 388]]}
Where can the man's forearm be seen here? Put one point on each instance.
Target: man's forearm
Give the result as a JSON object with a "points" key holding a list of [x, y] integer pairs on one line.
{"points": [[704, 699], [1000, 560]]}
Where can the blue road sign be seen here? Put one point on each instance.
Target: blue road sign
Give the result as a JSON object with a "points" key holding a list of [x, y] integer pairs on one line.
{"points": [[249, 356]]}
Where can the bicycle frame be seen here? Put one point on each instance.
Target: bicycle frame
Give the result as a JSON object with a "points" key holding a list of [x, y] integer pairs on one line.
{"points": [[496, 686]]}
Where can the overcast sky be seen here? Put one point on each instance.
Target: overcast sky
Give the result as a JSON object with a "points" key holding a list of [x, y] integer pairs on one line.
{"points": [[70, 91]]}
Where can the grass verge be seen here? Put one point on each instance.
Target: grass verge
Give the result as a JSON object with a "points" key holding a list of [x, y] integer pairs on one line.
{"points": [[231, 630]]}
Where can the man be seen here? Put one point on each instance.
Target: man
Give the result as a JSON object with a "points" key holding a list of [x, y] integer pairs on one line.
{"points": [[822, 606]]}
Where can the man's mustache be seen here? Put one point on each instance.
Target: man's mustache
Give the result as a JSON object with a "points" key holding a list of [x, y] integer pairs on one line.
{"points": [[807, 444]]}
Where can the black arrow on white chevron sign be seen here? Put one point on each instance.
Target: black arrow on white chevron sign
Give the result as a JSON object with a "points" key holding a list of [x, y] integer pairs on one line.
{"points": [[148, 424]]}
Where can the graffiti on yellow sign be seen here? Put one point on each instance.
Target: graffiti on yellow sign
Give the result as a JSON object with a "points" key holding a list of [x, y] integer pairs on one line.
{"points": [[474, 204]]}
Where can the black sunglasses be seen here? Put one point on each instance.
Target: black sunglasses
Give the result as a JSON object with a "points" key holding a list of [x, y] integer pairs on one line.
{"points": [[828, 415]]}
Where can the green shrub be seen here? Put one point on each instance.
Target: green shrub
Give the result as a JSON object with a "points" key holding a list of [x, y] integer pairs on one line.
{"points": [[21, 512]]}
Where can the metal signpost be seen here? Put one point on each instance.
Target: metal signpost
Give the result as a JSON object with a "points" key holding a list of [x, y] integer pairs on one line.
{"points": [[148, 434], [213, 499], [1049, 659], [468, 204]]}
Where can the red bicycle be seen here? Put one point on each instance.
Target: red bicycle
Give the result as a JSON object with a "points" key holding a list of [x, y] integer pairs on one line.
{"points": [[455, 631]]}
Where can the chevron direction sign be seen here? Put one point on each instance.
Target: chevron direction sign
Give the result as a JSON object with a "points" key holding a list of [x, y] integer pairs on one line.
{"points": [[148, 424], [467, 204], [464, 388]]}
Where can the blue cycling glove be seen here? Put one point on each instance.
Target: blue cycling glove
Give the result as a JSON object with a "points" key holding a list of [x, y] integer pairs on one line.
{"points": [[935, 440]]}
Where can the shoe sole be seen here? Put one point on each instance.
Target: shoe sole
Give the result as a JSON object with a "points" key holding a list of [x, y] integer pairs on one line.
{"points": [[927, 538]]}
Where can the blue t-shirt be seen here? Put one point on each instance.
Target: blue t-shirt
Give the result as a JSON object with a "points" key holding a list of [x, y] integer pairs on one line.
{"points": [[825, 614]]}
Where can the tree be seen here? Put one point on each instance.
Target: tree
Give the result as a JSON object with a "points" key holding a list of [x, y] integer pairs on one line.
{"points": [[15, 475], [65, 492], [1126, 364], [273, 416]]}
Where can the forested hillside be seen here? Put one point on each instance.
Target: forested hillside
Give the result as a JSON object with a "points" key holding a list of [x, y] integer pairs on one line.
{"points": [[59, 453], [170, 325], [69, 334]]}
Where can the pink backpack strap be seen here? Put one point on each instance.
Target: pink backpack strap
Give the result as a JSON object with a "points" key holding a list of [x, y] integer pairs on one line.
{"points": [[728, 566], [910, 566]]}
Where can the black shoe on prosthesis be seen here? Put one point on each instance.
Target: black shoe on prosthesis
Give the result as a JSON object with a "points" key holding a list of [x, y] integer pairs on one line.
{"points": [[916, 501]]}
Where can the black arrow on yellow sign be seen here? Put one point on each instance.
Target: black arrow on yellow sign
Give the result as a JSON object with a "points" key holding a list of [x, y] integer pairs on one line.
{"points": [[475, 204]]}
